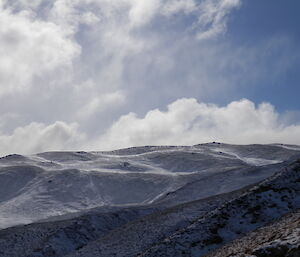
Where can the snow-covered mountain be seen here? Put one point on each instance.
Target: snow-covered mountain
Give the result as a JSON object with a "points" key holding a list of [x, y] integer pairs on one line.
{"points": [[143, 201]]}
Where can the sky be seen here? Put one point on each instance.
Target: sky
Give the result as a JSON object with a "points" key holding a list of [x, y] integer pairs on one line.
{"points": [[107, 74]]}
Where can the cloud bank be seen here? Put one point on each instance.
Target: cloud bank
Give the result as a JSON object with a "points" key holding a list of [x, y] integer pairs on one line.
{"points": [[37, 137], [185, 122]]}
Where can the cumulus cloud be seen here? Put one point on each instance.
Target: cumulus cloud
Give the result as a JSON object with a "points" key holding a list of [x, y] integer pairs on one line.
{"points": [[38, 137], [187, 122], [32, 49]]}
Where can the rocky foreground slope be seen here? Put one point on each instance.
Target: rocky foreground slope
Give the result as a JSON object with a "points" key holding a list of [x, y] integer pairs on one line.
{"points": [[280, 238], [145, 201]]}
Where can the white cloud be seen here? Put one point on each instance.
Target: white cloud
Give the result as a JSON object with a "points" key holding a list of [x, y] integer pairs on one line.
{"points": [[188, 122], [141, 12], [176, 6], [98, 103], [32, 49], [185, 122], [37, 137], [51, 48]]}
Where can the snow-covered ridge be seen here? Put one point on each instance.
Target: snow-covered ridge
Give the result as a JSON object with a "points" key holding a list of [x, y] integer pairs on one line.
{"points": [[56, 183]]}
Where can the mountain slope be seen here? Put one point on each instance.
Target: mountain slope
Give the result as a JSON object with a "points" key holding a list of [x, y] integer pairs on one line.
{"points": [[143, 201], [56, 183], [274, 197], [280, 238]]}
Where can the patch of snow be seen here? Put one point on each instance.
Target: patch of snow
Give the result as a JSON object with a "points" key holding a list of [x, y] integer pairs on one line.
{"points": [[289, 147], [249, 160]]}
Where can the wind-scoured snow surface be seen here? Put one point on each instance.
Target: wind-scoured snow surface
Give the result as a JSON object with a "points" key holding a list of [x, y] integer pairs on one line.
{"points": [[148, 201], [55, 183]]}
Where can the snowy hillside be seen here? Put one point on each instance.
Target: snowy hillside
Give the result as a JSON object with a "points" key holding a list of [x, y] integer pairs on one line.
{"points": [[143, 201], [55, 183], [274, 197]]}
